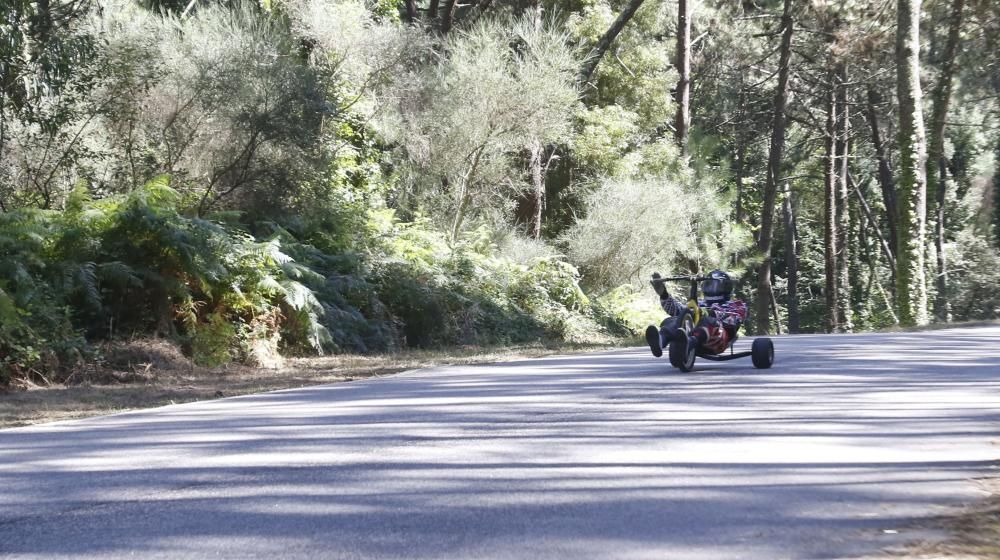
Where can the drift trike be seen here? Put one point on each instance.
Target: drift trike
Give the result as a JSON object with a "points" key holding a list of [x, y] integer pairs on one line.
{"points": [[682, 355]]}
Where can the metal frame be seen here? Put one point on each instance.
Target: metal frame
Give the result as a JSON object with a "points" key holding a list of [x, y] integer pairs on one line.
{"points": [[725, 357], [692, 304]]}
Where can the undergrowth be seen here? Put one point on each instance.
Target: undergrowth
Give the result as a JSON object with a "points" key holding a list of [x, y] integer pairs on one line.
{"points": [[140, 265]]}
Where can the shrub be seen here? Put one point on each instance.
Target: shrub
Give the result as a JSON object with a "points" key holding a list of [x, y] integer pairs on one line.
{"points": [[212, 341], [134, 265], [516, 81], [635, 226], [468, 293], [975, 266]]}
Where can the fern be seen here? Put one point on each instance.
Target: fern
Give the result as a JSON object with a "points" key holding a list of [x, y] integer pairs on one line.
{"points": [[8, 311]]}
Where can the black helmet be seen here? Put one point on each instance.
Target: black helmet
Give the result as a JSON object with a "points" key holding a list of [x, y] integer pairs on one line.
{"points": [[718, 288]]}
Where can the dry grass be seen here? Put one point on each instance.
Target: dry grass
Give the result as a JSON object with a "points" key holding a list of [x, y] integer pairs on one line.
{"points": [[973, 532], [940, 326], [150, 373]]}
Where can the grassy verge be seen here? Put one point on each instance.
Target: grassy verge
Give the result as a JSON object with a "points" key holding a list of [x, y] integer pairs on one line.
{"points": [[973, 532], [157, 375]]}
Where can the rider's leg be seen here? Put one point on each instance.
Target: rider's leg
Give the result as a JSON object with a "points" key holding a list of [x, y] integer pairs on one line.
{"points": [[653, 340], [657, 339], [670, 330]]}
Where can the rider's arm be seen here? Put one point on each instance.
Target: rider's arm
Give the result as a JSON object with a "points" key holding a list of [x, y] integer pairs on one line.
{"points": [[672, 306], [667, 302]]}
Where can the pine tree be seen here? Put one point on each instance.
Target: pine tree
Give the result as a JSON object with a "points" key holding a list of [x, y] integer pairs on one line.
{"points": [[911, 286]]}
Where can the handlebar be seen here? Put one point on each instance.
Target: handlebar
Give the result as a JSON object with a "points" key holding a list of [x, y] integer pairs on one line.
{"points": [[680, 279]]}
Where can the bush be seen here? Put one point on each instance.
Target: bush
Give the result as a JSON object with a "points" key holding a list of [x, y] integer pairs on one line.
{"points": [[37, 336], [635, 226], [517, 82], [134, 265], [468, 293], [211, 342], [975, 266]]}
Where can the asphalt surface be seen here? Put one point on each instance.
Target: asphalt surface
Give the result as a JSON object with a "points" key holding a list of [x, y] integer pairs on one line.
{"points": [[836, 452]]}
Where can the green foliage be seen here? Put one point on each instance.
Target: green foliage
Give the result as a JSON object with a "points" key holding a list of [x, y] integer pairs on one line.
{"points": [[634, 226], [342, 182], [632, 306], [516, 82], [212, 340], [468, 293], [36, 332], [135, 265], [973, 284], [639, 74]]}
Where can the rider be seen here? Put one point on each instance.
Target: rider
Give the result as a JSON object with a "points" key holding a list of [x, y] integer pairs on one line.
{"points": [[721, 316]]}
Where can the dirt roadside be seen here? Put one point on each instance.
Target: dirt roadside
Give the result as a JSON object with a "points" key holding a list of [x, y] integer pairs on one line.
{"points": [[149, 374], [973, 532]]}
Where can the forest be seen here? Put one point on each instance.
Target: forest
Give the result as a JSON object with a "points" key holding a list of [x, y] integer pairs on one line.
{"points": [[253, 180]]}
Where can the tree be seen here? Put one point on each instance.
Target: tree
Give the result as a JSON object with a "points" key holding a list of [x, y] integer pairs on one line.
{"points": [[996, 196], [885, 178], [841, 213], [682, 121], [774, 167], [911, 286], [791, 259], [602, 46], [937, 165], [831, 285], [502, 89]]}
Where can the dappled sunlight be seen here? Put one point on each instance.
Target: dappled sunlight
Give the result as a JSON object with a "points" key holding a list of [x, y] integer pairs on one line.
{"points": [[603, 448]]}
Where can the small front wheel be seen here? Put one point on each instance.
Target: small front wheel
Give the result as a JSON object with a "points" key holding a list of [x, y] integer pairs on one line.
{"points": [[762, 353]]}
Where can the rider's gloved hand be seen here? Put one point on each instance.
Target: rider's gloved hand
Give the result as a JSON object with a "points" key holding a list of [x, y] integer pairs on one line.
{"points": [[659, 287]]}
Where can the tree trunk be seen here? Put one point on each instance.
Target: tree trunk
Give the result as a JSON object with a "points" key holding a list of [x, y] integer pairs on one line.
{"points": [[774, 309], [829, 214], [936, 163], [464, 194], [592, 60], [774, 158], [841, 210], [791, 260], [411, 11], [889, 258], [682, 120], [741, 151], [911, 284], [740, 163], [996, 196], [538, 190], [448, 15], [432, 11], [885, 180]]}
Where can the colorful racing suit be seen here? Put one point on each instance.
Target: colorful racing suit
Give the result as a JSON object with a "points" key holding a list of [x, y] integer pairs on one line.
{"points": [[718, 325]]}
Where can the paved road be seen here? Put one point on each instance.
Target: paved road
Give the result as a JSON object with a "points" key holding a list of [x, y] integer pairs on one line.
{"points": [[833, 453]]}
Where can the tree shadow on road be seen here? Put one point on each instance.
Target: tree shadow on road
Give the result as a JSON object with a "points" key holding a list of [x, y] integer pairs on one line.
{"points": [[599, 455]]}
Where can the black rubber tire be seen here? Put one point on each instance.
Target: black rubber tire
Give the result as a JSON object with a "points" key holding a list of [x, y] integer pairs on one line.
{"points": [[683, 361], [762, 353]]}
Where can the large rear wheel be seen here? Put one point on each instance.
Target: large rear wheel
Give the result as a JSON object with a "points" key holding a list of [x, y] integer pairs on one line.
{"points": [[762, 353], [682, 354]]}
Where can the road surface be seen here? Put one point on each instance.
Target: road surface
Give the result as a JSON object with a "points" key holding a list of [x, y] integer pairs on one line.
{"points": [[833, 453]]}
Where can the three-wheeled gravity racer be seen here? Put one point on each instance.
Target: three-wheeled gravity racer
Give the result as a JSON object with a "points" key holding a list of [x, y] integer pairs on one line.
{"points": [[682, 356]]}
